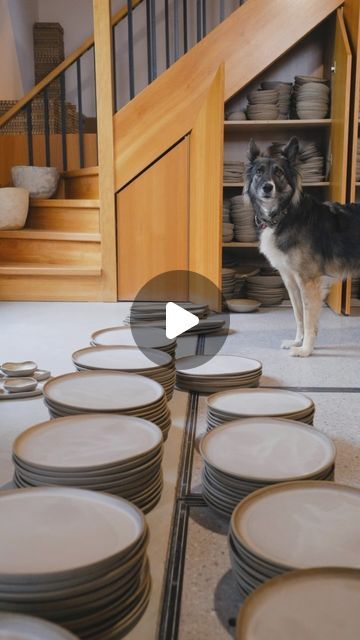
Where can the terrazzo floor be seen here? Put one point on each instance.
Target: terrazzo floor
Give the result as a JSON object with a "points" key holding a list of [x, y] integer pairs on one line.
{"points": [[206, 600]]}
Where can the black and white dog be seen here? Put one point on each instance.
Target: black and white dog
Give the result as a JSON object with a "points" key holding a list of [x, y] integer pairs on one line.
{"points": [[312, 244]]}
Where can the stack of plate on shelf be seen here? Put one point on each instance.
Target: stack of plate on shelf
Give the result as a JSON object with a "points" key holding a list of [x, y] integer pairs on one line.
{"points": [[108, 392], [17, 626], [242, 215], [245, 455], [236, 115], [242, 272], [233, 170], [250, 403], [227, 282], [358, 162], [294, 525], [308, 603], [199, 373], [268, 289], [312, 163], [80, 559], [226, 211], [151, 363], [311, 97], [284, 90], [146, 338], [147, 312], [227, 231], [263, 104], [115, 454], [355, 287]]}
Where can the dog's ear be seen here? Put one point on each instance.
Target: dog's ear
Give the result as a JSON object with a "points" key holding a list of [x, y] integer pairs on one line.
{"points": [[291, 151], [253, 151]]}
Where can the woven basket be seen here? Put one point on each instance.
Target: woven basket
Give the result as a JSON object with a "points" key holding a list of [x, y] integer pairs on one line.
{"points": [[18, 124]]}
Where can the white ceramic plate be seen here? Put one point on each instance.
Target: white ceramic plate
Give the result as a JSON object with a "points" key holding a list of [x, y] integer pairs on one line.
{"points": [[260, 402], [152, 337], [14, 626], [121, 358], [218, 365]]}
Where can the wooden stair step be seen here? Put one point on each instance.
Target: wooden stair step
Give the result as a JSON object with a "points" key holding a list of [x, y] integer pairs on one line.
{"points": [[81, 183], [64, 215], [33, 269], [76, 173], [36, 234]]}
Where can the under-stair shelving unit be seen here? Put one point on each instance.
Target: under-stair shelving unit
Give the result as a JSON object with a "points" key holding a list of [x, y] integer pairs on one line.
{"points": [[326, 53]]}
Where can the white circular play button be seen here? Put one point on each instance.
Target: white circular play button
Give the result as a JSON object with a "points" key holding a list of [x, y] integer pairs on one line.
{"points": [[178, 320]]}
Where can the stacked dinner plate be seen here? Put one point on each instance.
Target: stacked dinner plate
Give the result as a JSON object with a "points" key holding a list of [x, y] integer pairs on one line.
{"points": [[284, 90], [245, 455], [233, 170], [228, 282], [15, 626], [294, 525], [310, 603], [151, 363], [268, 289], [263, 104], [242, 215], [115, 454], [312, 163], [311, 97], [227, 231], [199, 373], [226, 211], [108, 392], [143, 312], [250, 403], [80, 559], [147, 338]]}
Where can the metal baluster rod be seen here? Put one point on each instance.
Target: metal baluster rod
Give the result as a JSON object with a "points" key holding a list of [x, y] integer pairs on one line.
{"points": [[167, 34], [47, 128], [176, 30], [63, 121], [131, 49], [114, 67], [198, 20], [185, 21], [29, 133], [81, 124], [222, 10]]}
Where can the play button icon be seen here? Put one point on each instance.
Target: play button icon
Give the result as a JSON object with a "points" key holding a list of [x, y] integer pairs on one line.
{"points": [[178, 320]]}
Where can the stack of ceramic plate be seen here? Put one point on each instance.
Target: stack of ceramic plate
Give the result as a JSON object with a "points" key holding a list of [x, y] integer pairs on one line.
{"points": [[207, 375], [251, 403], [80, 560], [16, 626], [311, 97], [233, 170], [263, 104], [108, 392], [358, 162], [245, 455], [294, 525], [151, 363], [284, 90], [226, 211], [147, 338], [242, 272], [146, 312], [227, 231], [268, 289], [115, 454], [312, 163], [310, 603], [242, 215], [228, 282]]}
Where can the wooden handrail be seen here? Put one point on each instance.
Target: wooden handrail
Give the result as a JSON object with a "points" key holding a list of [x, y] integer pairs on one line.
{"points": [[85, 46]]}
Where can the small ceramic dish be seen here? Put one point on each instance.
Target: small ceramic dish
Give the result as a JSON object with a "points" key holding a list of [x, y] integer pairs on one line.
{"points": [[41, 374], [243, 305], [13, 369], [19, 385]]}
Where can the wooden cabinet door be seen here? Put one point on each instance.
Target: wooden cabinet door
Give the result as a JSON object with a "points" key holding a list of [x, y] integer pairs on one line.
{"points": [[340, 106]]}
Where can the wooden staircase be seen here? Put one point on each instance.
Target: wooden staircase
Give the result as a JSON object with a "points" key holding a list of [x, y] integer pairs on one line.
{"points": [[57, 256]]}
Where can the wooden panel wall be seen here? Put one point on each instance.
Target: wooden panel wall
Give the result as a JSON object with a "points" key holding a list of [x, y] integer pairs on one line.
{"points": [[152, 224]]}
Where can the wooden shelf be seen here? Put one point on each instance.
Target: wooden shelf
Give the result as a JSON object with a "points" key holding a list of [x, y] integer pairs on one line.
{"points": [[33, 269], [59, 203], [35, 234], [279, 124], [305, 184], [240, 244]]}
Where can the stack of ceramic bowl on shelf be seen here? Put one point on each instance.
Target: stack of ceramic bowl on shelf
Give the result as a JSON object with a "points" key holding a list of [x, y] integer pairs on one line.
{"points": [[233, 170], [235, 115], [311, 97], [151, 363], [115, 454], [227, 282], [294, 525], [284, 90], [81, 559], [319, 603], [146, 338], [227, 231], [242, 215], [267, 287], [248, 454], [22, 627], [207, 374], [263, 104], [226, 210], [108, 392], [250, 403]]}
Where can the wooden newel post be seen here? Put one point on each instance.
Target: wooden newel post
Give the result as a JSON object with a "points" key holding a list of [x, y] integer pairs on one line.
{"points": [[104, 106]]}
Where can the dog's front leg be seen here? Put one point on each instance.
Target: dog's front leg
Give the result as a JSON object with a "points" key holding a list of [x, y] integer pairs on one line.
{"points": [[312, 301], [297, 305]]}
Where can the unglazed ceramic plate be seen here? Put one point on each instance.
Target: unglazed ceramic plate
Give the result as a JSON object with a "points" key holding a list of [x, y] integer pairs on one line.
{"points": [[218, 365], [121, 358], [257, 402], [18, 385]]}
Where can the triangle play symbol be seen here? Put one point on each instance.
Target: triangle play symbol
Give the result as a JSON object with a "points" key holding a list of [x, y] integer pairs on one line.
{"points": [[178, 320]]}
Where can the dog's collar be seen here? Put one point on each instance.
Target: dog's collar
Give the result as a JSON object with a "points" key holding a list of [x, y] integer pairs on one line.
{"points": [[265, 225]]}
